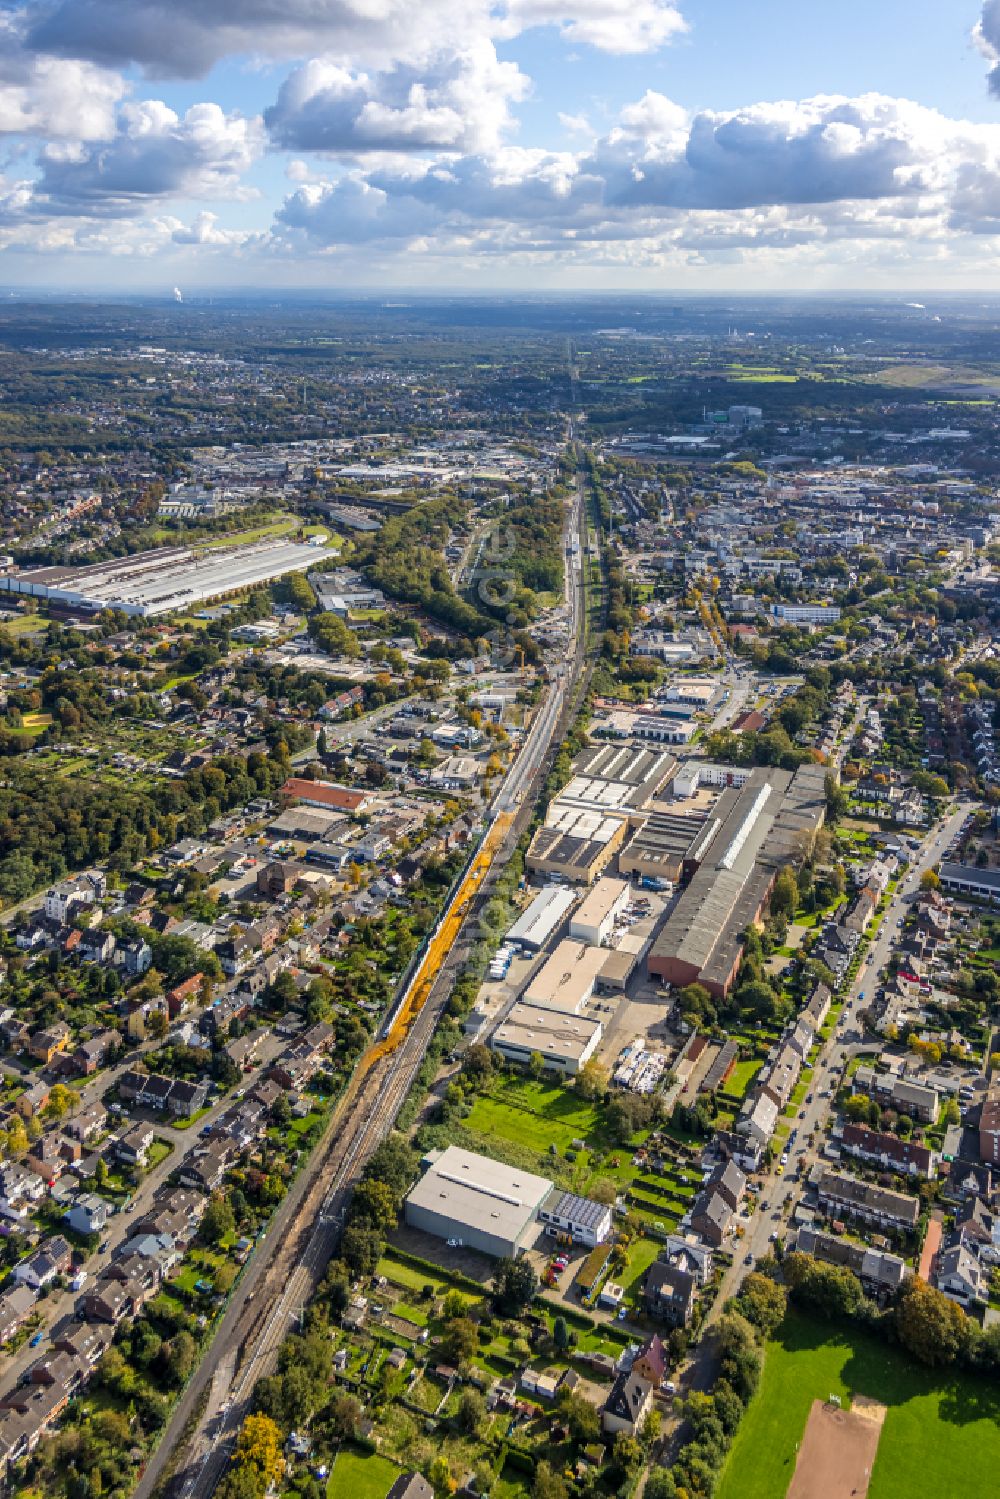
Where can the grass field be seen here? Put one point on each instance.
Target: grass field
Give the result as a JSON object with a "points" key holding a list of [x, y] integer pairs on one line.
{"points": [[941, 1433], [743, 1075], [359, 1475], [24, 624], [537, 1115]]}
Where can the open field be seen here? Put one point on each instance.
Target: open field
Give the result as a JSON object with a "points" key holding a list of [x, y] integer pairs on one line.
{"points": [[358, 1475], [536, 1115], [941, 1433], [23, 624]]}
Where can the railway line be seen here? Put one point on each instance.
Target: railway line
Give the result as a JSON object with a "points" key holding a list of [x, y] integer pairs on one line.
{"points": [[303, 1234]]}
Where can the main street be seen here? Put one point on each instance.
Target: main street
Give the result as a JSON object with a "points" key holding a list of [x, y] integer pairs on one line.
{"points": [[302, 1235], [769, 1218]]}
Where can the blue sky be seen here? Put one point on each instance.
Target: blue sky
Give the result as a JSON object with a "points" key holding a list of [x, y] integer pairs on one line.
{"points": [[657, 144]]}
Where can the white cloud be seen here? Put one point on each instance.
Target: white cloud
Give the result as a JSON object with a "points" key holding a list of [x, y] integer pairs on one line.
{"points": [[185, 38], [824, 171], [53, 97], [621, 26], [987, 37], [155, 154], [457, 101]]}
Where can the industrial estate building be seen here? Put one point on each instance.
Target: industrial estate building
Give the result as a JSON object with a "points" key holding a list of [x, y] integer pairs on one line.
{"points": [[565, 1042], [595, 921], [484, 1204], [566, 980], [536, 924], [751, 834], [169, 578], [587, 823]]}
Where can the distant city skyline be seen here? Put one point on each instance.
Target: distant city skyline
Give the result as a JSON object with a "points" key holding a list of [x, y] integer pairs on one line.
{"points": [[540, 145]]}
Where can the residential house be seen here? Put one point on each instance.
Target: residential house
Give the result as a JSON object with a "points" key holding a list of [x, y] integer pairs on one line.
{"points": [[758, 1120], [134, 958], [889, 1152], [916, 1099], [669, 1293], [881, 1274], [960, 1276], [88, 1123], [728, 1180], [16, 1306], [134, 1146], [578, 1219], [651, 1362], [88, 1214], [410, 1486], [48, 1043], [52, 1258], [92, 1054], [627, 1406], [847, 1196], [711, 1216]]}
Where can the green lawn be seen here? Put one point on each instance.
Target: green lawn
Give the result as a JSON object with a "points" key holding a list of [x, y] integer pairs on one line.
{"points": [[941, 1434], [359, 1475], [642, 1253], [537, 1115], [743, 1075], [24, 624]]}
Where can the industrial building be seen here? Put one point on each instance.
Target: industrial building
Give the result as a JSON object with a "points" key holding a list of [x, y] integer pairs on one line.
{"points": [[751, 833], [161, 581], [659, 850], [575, 845], [536, 924], [566, 979], [564, 1042], [587, 823], [482, 1203], [594, 922], [616, 779]]}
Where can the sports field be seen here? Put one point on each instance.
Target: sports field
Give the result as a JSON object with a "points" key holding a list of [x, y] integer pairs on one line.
{"points": [[941, 1434]]}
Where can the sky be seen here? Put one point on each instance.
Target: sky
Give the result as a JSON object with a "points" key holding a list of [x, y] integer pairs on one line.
{"points": [[471, 145]]}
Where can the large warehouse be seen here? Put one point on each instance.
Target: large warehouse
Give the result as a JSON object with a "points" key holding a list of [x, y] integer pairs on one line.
{"points": [[547, 911], [153, 583], [483, 1204], [752, 832], [586, 824]]}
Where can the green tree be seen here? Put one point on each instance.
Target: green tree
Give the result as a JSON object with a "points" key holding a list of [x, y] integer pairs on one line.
{"points": [[460, 1340], [440, 1479], [548, 1484], [471, 1412], [219, 1219], [930, 1326], [514, 1286]]}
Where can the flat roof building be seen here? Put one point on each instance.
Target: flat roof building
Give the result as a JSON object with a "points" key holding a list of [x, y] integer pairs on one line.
{"points": [[658, 850], [484, 1204], [575, 845], [566, 979], [595, 920], [750, 833], [157, 582], [564, 1042]]}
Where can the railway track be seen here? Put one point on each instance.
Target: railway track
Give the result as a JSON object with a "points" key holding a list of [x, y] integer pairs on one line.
{"points": [[303, 1234]]}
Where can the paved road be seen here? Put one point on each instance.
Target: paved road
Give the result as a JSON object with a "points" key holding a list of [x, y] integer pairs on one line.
{"points": [[770, 1215]]}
